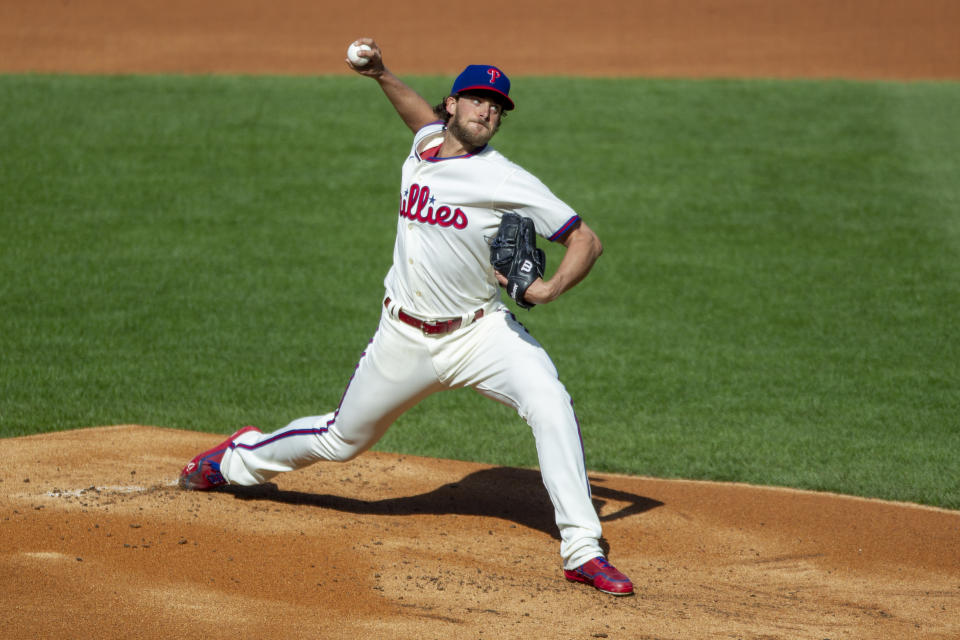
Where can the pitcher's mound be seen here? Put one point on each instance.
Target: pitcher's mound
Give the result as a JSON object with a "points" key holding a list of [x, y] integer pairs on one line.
{"points": [[98, 542]]}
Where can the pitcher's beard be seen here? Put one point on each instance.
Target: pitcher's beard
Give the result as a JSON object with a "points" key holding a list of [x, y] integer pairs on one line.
{"points": [[469, 138]]}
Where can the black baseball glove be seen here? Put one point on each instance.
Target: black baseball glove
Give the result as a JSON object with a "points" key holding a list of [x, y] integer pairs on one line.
{"points": [[514, 253]]}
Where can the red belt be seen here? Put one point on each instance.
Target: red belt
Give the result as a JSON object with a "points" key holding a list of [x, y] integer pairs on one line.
{"points": [[432, 327]]}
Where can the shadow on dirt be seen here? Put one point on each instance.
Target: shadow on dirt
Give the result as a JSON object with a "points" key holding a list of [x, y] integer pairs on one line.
{"points": [[515, 495]]}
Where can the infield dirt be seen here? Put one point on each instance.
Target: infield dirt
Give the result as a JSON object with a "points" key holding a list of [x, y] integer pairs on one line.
{"points": [[97, 541]]}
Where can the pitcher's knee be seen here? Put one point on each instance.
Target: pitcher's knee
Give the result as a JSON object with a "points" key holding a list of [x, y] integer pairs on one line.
{"points": [[344, 454], [550, 411], [336, 448]]}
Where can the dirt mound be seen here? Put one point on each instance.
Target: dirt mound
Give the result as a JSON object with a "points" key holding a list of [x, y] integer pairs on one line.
{"points": [[98, 542]]}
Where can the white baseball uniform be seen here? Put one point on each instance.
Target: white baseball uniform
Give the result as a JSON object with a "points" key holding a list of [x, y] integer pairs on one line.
{"points": [[449, 209]]}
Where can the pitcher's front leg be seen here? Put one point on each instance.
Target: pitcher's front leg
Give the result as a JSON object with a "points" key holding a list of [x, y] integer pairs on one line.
{"points": [[393, 375]]}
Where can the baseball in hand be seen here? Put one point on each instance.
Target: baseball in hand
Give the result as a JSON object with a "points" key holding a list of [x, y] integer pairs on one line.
{"points": [[355, 49]]}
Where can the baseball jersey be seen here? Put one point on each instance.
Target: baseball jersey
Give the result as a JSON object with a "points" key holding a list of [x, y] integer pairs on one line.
{"points": [[450, 209]]}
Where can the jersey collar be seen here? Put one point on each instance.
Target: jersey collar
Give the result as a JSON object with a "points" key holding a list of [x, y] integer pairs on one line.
{"points": [[430, 155]]}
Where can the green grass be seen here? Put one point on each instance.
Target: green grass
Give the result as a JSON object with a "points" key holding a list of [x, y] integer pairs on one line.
{"points": [[777, 301]]}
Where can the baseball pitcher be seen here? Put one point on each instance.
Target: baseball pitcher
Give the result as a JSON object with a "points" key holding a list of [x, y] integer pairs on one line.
{"points": [[467, 220]]}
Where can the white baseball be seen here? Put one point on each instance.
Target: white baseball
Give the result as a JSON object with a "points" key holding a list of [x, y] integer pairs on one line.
{"points": [[352, 52]]}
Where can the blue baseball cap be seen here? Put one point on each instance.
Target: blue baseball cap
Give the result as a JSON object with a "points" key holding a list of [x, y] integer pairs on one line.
{"points": [[484, 77]]}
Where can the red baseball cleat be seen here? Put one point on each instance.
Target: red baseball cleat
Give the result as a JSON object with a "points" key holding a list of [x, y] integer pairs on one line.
{"points": [[602, 575], [203, 472]]}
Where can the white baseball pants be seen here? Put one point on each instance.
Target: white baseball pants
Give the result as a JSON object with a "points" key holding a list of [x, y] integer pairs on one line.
{"points": [[401, 366]]}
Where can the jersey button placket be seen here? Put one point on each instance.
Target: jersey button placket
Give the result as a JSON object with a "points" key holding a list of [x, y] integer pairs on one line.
{"points": [[413, 238]]}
